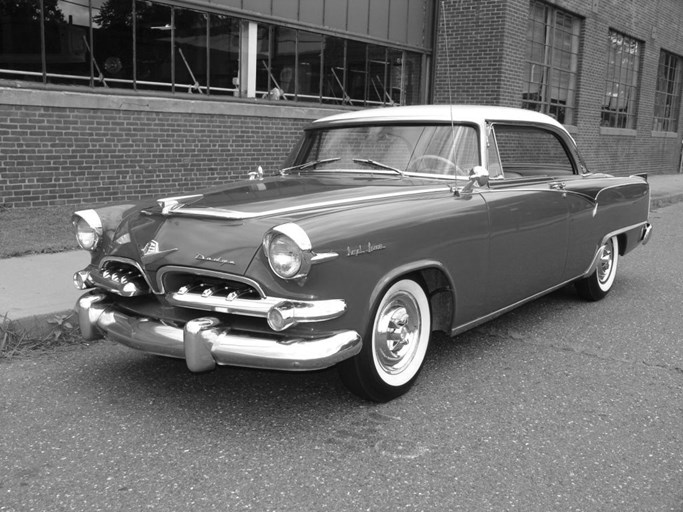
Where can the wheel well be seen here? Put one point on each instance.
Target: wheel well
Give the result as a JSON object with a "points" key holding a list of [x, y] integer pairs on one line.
{"points": [[623, 243], [440, 294]]}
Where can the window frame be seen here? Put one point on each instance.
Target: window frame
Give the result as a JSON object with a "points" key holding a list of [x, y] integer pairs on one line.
{"points": [[622, 82], [668, 90], [556, 63]]}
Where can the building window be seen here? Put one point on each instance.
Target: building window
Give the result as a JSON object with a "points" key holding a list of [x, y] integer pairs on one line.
{"points": [[552, 62], [668, 93], [621, 85], [152, 46]]}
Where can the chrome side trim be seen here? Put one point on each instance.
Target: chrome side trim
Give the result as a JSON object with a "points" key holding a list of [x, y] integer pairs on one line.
{"points": [[474, 323], [206, 342], [622, 230], [481, 320]]}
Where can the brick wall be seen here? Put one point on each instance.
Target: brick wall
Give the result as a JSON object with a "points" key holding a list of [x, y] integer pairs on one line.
{"points": [[480, 58], [122, 148]]}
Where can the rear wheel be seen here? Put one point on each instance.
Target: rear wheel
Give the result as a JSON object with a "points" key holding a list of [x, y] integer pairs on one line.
{"points": [[394, 347], [599, 283]]}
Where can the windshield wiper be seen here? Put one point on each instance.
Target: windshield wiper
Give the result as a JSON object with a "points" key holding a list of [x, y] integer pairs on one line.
{"points": [[378, 164], [307, 165]]}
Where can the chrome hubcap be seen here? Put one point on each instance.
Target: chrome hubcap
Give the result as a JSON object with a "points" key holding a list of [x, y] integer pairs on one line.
{"points": [[606, 262], [397, 333]]}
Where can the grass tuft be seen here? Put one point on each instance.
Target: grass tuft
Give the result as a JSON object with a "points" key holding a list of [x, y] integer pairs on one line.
{"points": [[17, 343]]}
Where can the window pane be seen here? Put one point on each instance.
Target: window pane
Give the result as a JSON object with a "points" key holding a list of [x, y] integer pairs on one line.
{"points": [[113, 43], [413, 77], [356, 58], [224, 44], [378, 71], [20, 55], [444, 150], [552, 62], [334, 73], [308, 79], [264, 82], [66, 42], [621, 86], [531, 151], [191, 67], [668, 93], [154, 63]]}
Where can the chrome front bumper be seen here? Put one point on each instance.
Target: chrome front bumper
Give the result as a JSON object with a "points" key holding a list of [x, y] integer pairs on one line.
{"points": [[205, 342]]}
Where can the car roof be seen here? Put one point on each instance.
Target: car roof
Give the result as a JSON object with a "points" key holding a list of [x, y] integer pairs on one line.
{"points": [[477, 114]]}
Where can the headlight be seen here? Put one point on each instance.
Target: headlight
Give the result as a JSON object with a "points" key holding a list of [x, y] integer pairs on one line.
{"points": [[288, 249], [88, 229]]}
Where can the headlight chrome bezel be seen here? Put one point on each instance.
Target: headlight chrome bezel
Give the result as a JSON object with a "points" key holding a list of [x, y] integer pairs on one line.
{"points": [[88, 227], [295, 237]]}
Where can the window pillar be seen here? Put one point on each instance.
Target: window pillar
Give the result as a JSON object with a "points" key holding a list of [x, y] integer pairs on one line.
{"points": [[248, 51]]}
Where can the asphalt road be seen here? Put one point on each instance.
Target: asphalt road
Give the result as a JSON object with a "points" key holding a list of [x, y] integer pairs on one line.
{"points": [[561, 405]]}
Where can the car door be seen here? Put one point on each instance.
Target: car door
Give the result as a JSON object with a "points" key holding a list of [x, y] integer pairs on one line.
{"points": [[528, 212]]}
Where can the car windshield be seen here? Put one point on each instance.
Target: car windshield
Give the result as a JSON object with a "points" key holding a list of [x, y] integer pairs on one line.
{"points": [[442, 150]]}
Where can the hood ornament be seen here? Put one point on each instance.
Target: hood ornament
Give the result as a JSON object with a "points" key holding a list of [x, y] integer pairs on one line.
{"points": [[169, 204]]}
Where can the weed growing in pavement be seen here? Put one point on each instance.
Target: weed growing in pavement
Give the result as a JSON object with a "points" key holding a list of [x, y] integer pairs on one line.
{"points": [[16, 342]]}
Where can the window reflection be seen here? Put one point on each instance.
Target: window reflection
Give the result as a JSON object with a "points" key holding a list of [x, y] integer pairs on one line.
{"points": [[356, 64], [277, 72], [378, 72], [20, 49], [334, 71], [113, 43], [224, 45], [309, 51], [190, 39], [153, 57], [66, 43]]}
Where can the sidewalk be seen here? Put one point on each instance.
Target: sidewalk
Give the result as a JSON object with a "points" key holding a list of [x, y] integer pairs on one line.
{"points": [[37, 288]]}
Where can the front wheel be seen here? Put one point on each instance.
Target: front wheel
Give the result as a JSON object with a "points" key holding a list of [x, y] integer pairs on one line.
{"points": [[394, 346], [599, 283]]}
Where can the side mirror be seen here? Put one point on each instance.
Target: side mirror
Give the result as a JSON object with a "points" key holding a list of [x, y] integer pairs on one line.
{"points": [[479, 177]]}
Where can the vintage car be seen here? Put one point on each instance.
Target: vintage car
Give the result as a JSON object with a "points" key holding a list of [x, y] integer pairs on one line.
{"points": [[382, 227]]}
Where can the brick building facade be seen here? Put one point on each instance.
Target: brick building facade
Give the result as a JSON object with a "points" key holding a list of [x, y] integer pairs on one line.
{"points": [[78, 125]]}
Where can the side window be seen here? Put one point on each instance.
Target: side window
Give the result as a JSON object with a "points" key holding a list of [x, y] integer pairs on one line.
{"points": [[529, 151], [494, 166]]}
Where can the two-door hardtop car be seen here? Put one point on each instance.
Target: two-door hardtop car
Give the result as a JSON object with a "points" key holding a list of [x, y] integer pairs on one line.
{"points": [[383, 226]]}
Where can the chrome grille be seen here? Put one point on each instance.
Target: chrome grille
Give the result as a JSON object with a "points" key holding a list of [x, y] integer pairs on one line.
{"points": [[215, 292], [121, 278]]}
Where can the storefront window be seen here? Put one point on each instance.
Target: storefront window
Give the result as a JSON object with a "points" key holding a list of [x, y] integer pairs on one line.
{"points": [[152, 46]]}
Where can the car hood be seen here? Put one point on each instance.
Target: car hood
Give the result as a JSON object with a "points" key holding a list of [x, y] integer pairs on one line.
{"points": [[222, 229]]}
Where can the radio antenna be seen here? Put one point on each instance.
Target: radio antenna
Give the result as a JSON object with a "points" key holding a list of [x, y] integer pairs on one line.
{"points": [[448, 57], [450, 82]]}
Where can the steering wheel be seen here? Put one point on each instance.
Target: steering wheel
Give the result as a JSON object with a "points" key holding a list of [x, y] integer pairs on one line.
{"points": [[440, 165]]}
